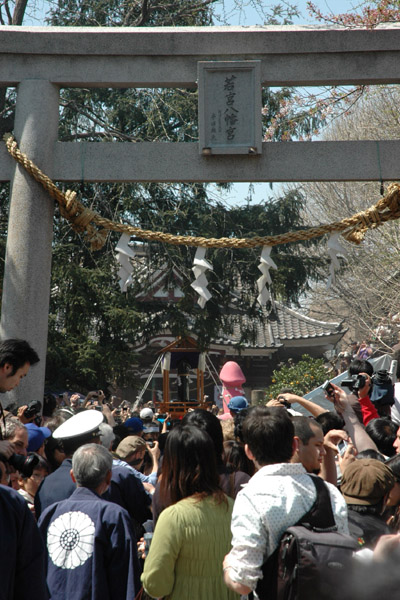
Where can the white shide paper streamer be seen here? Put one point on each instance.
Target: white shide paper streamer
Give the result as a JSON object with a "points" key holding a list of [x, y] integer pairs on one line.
{"points": [[265, 265], [334, 249], [124, 254], [200, 266]]}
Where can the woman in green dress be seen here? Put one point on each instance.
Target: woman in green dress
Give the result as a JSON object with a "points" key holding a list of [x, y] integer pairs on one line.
{"points": [[192, 535]]}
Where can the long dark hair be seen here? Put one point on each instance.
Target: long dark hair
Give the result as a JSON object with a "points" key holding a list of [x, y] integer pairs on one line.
{"points": [[235, 458], [394, 464], [202, 419], [189, 466]]}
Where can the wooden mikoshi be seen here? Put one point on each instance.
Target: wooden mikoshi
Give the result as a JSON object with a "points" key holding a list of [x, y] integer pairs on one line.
{"points": [[182, 355]]}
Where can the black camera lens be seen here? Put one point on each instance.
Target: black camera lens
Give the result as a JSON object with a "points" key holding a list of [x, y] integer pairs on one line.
{"points": [[33, 409], [24, 464], [381, 377], [355, 383], [360, 382]]}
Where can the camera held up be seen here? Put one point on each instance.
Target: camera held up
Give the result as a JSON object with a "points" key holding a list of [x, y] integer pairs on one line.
{"points": [[24, 464]]}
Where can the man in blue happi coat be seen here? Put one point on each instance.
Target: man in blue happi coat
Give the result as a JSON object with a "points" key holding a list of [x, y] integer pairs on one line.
{"points": [[125, 489], [90, 543], [80, 429]]}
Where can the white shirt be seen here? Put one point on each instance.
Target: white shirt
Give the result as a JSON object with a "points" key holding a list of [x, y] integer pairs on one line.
{"points": [[275, 498], [28, 497]]}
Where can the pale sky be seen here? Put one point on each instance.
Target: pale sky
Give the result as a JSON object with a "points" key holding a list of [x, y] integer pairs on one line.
{"points": [[250, 16]]}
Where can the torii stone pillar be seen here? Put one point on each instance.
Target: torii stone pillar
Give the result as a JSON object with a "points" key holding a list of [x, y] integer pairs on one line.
{"points": [[26, 290]]}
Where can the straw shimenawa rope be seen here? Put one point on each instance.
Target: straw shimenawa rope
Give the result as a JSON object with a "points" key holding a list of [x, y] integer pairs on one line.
{"points": [[83, 219]]}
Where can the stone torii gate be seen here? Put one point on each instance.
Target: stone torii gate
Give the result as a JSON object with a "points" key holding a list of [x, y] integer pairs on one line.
{"points": [[39, 61]]}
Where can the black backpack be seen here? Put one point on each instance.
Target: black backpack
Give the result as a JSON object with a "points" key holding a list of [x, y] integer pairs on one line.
{"points": [[313, 560]]}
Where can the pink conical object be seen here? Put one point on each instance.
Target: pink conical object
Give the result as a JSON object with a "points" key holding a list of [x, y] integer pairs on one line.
{"points": [[232, 378], [231, 374]]}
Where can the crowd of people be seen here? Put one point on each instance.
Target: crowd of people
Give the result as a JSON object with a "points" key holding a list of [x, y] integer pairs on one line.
{"points": [[385, 338], [103, 502]]}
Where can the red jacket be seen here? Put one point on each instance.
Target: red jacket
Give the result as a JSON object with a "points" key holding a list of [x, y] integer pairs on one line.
{"points": [[368, 410]]}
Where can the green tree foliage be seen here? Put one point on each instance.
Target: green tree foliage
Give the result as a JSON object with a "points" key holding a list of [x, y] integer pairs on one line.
{"points": [[301, 378], [90, 324]]}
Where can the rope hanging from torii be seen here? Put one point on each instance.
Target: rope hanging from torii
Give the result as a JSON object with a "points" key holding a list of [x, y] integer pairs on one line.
{"points": [[83, 219]]}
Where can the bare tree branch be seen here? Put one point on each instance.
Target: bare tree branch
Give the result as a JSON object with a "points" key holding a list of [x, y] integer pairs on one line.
{"points": [[144, 15], [8, 12], [19, 12], [367, 291]]}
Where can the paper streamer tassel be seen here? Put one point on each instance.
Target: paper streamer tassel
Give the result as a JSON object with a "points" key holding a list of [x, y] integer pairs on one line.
{"points": [[334, 249], [266, 263], [200, 266], [124, 254]]}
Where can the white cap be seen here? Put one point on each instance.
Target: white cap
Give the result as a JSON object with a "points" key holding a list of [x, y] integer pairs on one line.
{"points": [[83, 423], [146, 413]]}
